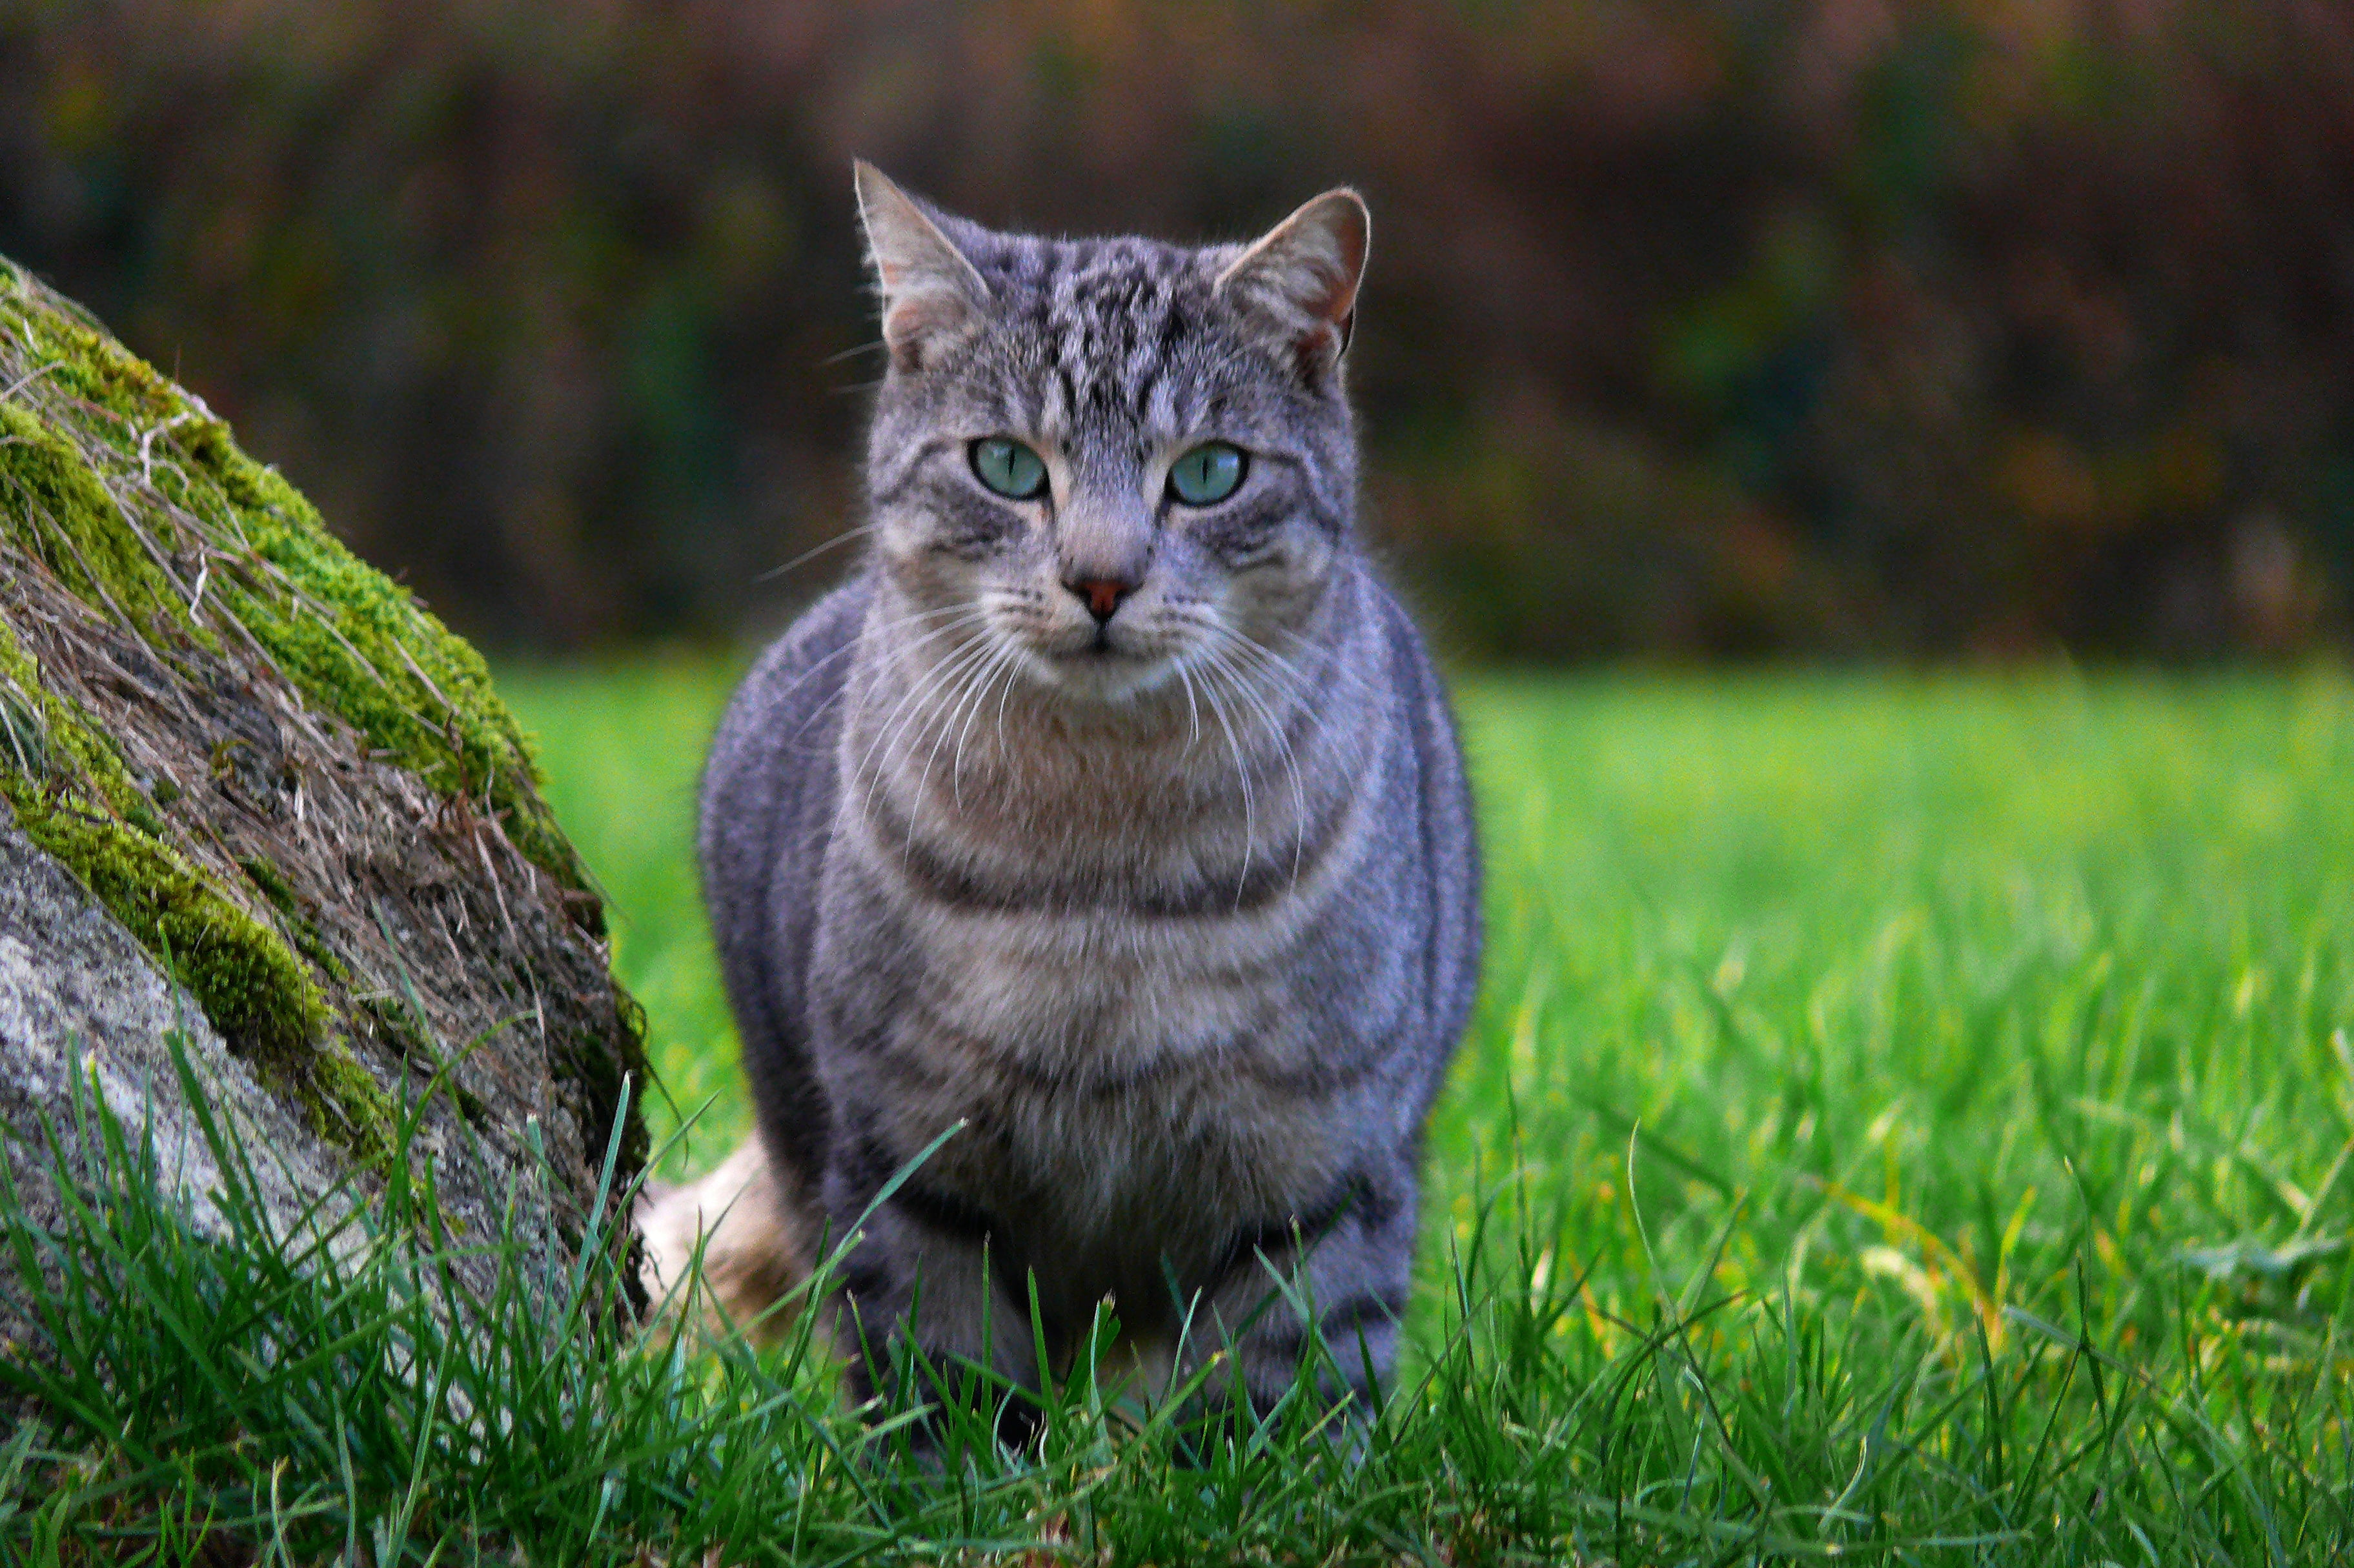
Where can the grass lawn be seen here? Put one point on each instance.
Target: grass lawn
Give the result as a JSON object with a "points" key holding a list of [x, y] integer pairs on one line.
{"points": [[1907, 1119]]}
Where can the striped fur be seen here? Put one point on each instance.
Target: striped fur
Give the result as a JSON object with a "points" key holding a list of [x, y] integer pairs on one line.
{"points": [[1177, 918]]}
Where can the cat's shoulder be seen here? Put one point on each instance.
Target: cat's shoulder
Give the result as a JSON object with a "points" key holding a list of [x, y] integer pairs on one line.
{"points": [[796, 681], [1411, 666], [812, 649], [821, 630]]}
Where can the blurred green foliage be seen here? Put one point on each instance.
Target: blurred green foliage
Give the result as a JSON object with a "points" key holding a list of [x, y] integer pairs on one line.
{"points": [[1708, 327]]}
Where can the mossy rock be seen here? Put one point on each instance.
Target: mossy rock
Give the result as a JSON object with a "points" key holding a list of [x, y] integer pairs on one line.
{"points": [[293, 787]]}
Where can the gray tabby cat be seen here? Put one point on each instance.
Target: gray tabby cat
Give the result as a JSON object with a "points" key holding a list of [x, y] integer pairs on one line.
{"points": [[1113, 810]]}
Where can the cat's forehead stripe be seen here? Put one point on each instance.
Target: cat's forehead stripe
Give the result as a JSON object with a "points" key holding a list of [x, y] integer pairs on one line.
{"points": [[1116, 330]]}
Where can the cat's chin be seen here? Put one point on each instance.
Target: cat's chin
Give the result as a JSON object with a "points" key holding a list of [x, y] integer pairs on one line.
{"points": [[1104, 677]]}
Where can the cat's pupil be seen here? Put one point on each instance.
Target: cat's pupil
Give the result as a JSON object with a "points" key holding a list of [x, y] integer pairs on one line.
{"points": [[1008, 467], [1207, 474]]}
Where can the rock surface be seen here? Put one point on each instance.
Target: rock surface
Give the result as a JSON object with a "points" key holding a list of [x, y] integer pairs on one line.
{"points": [[80, 998], [252, 794]]}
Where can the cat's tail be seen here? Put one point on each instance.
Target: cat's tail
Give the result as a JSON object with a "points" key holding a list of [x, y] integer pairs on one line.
{"points": [[753, 1242]]}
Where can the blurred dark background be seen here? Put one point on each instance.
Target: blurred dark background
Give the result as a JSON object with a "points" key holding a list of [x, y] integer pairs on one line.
{"points": [[1696, 328]]}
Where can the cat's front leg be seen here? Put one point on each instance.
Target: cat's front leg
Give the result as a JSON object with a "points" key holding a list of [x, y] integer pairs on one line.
{"points": [[927, 1288], [1337, 1274]]}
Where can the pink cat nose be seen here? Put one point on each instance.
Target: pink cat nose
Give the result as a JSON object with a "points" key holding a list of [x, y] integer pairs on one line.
{"points": [[1103, 595]]}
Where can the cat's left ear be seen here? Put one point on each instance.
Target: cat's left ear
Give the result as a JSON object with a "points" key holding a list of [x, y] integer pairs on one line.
{"points": [[932, 292], [1301, 277]]}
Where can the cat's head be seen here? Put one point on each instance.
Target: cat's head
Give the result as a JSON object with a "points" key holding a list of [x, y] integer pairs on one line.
{"points": [[1113, 463]]}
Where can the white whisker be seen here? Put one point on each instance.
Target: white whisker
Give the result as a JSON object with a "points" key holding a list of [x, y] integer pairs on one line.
{"points": [[1009, 666], [814, 551], [1239, 677], [1242, 773], [852, 647], [917, 692], [973, 688], [1275, 668], [1191, 708]]}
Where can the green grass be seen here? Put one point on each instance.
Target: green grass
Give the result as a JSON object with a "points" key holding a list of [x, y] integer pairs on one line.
{"points": [[1908, 1119]]}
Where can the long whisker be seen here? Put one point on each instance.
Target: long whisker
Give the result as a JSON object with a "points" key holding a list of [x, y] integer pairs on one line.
{"points": [[853, 645], [918, 705], [1262, 661], [1241, 772], [812, 554], [1191, 708], [1007, 664], [1002, 697], [1305, 697], [1237, 647], [945, 676], [933, 677], [1234, 673], [877, 346], [971, 688], [1241, 663], [1276, 667]]}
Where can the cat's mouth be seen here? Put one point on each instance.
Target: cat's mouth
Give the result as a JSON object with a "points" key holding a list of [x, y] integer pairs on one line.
{"points": [[1103, 664]]}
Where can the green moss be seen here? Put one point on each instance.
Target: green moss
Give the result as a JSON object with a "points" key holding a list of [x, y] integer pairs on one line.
{"points": [[101, 372], [352, 641], [271, 882], [23, 745], [301, 929], [354, 644], [56, 507], [415, 690], [248, 982], [364, 1118], [347, 1106]]}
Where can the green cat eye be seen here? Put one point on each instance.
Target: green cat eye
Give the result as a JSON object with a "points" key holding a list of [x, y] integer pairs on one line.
{"points": [[1008, 467], [1207, 474]]}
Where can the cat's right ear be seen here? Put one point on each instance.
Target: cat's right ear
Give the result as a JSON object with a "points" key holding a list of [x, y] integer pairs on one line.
{"points": [[932, 294], [1301, 277]]}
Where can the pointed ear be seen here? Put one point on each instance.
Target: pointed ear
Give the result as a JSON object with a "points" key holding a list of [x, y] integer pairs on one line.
{"points": [[932, 293], [1301, 277]]}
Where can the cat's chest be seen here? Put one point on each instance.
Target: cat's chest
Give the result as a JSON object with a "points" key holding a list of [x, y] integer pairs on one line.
{"points": [[1124, 1074], [1097, 999], [1124, 1130], [1074, 1008], [1169, 1172], [1122, 1049]]}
